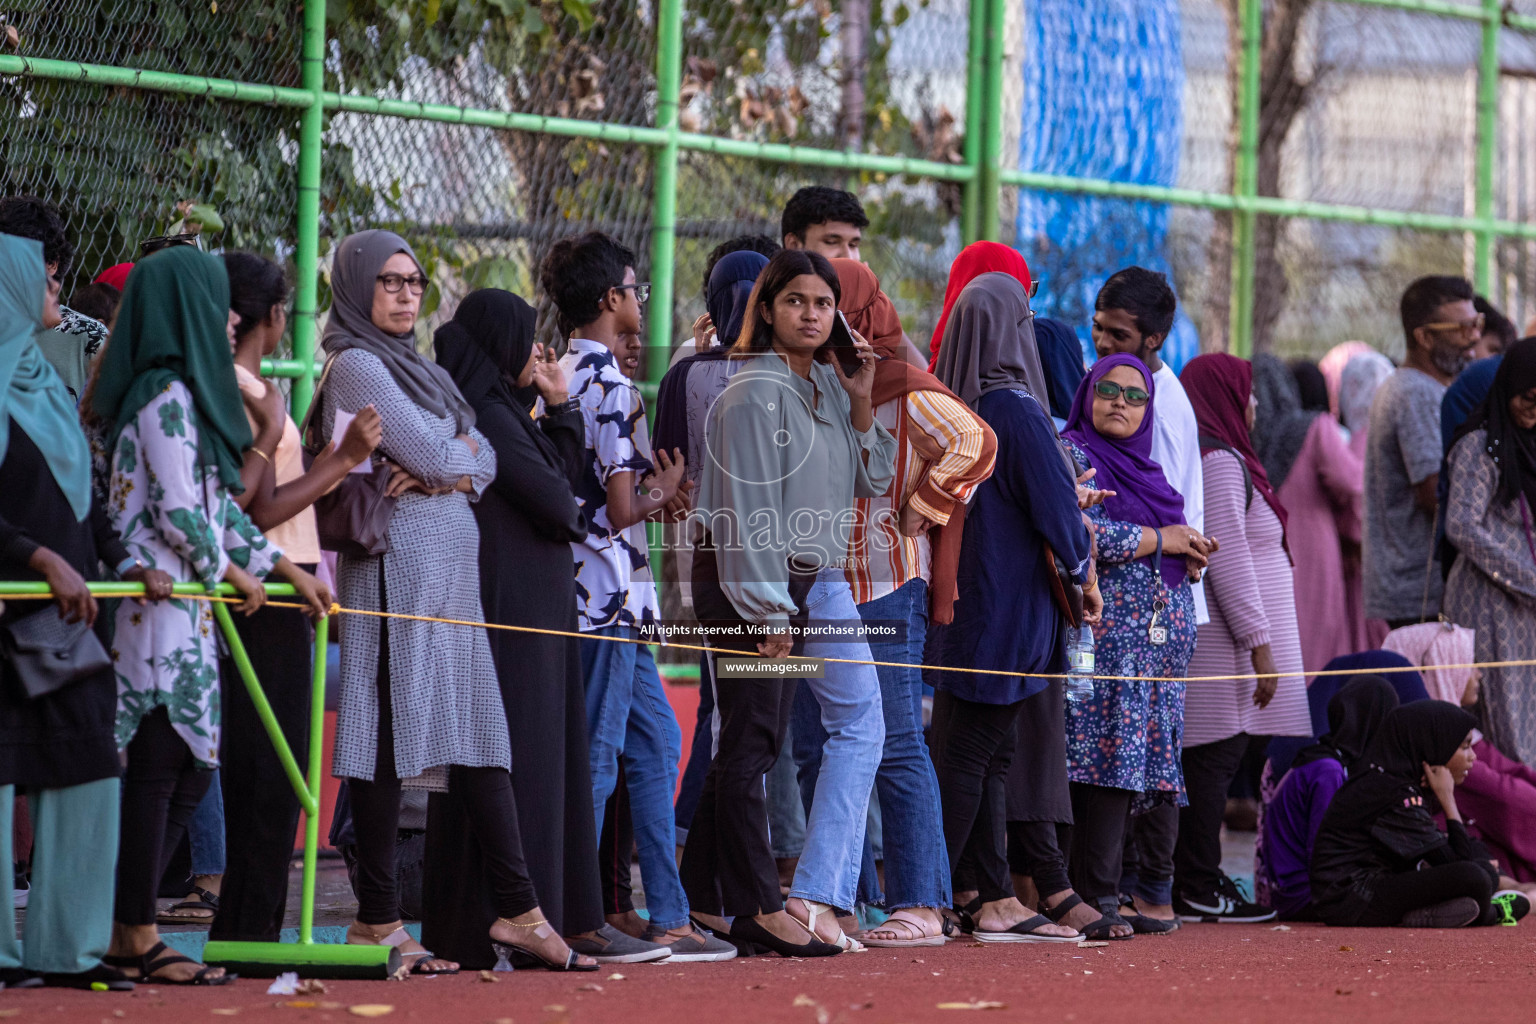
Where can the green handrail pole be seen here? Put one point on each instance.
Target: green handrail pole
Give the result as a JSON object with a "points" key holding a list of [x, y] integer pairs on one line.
{"points": [[1246, 177], [975, 119], [312, 816], [308, 799], [992, 136], [307, 257], [1487, 146]]}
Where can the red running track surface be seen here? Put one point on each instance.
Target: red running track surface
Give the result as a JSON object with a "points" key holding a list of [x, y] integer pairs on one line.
{"points": [[1218, 973]]}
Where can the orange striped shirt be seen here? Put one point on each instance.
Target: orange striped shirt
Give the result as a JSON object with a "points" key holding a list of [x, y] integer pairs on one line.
{"points": [[941, 459]]}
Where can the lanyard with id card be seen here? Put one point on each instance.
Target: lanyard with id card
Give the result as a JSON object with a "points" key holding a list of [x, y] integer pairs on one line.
{"points": [[1157, 634]]}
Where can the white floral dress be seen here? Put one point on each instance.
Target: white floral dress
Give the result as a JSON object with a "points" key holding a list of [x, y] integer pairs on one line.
{"points": [[175, 515]]}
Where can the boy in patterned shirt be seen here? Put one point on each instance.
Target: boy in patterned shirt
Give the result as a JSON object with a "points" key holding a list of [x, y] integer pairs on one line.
{"points": [[591, 279]]}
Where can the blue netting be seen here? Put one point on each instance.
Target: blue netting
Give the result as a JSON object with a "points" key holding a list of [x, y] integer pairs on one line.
{"points": [[1103, 99]]}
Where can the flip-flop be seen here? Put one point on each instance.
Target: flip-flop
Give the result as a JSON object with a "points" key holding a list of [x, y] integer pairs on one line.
{"points": [[203, 900], [914, 927], [1141, 924], [1024, 931]]}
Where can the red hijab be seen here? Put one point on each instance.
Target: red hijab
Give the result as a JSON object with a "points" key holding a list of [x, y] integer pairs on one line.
{"points": [[1219, 386], [871, 312], [974, 260]]}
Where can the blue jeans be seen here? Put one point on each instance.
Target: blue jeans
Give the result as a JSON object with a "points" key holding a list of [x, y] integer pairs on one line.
{"points": [[916, 861], [205, 831], [854, 726], [628, 716]]}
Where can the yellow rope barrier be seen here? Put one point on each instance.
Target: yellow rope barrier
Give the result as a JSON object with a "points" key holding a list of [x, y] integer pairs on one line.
{"points": [[337, 609]]}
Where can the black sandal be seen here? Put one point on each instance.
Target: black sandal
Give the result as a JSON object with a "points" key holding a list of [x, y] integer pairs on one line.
{"points": [[101, 974], [159, 957], [1141, 924], [1109, 917], [1024, 931], [205, 900], [966, 915]]}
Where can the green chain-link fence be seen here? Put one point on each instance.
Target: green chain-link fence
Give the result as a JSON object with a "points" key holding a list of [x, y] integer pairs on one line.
{"points": [[1324, 150]]}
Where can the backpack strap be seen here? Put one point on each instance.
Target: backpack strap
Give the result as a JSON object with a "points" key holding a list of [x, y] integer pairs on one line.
{"points": [[314, 404], [1207, 441]]}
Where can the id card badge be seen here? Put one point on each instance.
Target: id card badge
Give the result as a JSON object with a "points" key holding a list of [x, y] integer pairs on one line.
{"points": [[1157, 634]]}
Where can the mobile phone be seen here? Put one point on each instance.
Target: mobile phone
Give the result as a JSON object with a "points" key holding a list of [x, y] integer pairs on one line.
{"points": [[840, 346]]}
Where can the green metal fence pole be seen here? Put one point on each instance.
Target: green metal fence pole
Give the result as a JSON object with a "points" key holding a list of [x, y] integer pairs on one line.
{"points": [[1487, 146], [989, 185], [307, 258], [975, 119], [1246, 178], [312, 811], [669, 78]]}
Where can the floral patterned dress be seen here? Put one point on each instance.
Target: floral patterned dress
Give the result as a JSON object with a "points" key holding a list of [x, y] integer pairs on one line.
{"points": [[1129, 735], [174, 515]]}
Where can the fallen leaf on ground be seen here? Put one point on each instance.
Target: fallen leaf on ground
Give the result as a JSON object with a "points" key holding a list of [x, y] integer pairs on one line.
{"points": [[370, 1009], [221, 1012], [1090, 944], [983, 1005], [312, 987], [301, 1004], [1346, 949], [1281, 928], [489, 977], [13, 1013], [590, 987], [554, 1008], [1343, 991], [615, 976]]}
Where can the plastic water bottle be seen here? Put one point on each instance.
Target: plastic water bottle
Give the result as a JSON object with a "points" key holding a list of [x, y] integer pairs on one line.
{"points": [[1080, 663]]}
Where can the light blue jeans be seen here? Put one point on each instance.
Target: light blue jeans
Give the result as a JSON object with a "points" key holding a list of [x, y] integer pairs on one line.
{"points": [[916, 861], [852, 717], [628, 716], [205, 831]]}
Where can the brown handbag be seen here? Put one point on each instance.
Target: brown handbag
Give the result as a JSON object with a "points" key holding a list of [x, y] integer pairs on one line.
{"points": [[1067, 594], [353, 517]]}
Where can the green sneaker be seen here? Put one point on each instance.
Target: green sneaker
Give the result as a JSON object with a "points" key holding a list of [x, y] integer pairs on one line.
{"points": [[1510, 905]]}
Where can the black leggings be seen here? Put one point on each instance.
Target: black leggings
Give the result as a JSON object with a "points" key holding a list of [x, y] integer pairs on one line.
{"points": [[488, 799], [1396, 895], [973, 747], [162, 785], [1034, 850], [1099, 815]]}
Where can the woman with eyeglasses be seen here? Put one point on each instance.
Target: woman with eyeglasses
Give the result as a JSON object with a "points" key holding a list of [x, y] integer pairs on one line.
{"points": [[420, 702], [1252, 636], [1123, 742], [1488, 518]]}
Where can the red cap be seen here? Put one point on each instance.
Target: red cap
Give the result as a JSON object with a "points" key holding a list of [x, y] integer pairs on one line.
{"points": [[116, 275]]}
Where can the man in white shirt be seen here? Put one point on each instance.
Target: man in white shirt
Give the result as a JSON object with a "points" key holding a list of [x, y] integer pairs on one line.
{"points": [[1134, 313]]}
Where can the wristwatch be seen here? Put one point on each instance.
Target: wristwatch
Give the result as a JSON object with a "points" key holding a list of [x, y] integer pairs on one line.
{"points": [[560, 408]]}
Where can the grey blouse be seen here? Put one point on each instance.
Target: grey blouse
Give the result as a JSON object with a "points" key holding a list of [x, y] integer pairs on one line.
{"points": [[781, 466]]}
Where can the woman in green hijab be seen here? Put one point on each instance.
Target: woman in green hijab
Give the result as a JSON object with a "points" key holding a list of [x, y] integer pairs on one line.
{"points": [[177, 432], [58, 746]]}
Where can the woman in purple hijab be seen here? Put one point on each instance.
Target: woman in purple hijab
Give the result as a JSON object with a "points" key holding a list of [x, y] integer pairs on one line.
{"points": [[1123, 743]]}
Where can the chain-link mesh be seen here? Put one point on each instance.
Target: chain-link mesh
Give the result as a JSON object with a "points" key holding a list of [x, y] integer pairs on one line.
{"points": [[1363, 105]]}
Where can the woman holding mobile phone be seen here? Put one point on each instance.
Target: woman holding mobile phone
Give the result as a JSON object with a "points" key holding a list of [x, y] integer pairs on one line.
{"points": [[791, 442]]}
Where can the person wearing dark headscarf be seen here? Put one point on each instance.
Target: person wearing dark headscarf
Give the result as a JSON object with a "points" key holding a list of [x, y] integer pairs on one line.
{"points": [[420, 701], [683, 400], [1061, 354], [1292, 817], [1321, 483], [1252, 630], [528, 518], [1379, 859], [1123, 743], [1005, 620], [178, 435], [1311, 385], [57, 748], [1492, 585]]}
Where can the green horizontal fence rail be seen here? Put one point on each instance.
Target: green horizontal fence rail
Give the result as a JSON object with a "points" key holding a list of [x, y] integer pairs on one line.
{"points": [[981, 171]]}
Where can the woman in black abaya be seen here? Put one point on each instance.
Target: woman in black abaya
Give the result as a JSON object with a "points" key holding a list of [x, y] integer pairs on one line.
{"points": [[528, 519]]}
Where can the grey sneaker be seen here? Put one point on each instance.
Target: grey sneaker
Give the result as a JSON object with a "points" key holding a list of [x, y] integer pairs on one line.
{"points": [[699, 947], [611, 946]]}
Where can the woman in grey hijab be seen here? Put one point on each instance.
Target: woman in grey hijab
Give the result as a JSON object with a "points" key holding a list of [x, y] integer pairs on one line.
{"points": [[1007, 622], [420, 702]]}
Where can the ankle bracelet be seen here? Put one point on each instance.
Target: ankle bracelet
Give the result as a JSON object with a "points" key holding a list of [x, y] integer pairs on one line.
{"points": [[513, 924]]}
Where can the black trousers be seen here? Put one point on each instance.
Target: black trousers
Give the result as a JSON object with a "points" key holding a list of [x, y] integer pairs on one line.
{"points": [[1208, 772], [728, 866], [1035, 850], [261, 810], [616, 851], [487, 795], [972, 748], [162, 786], [1098, 841], [1396, 895], [1146, 868]]}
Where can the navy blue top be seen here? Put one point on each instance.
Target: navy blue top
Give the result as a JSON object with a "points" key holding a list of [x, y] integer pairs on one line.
{"points": [[1004, 617]]}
